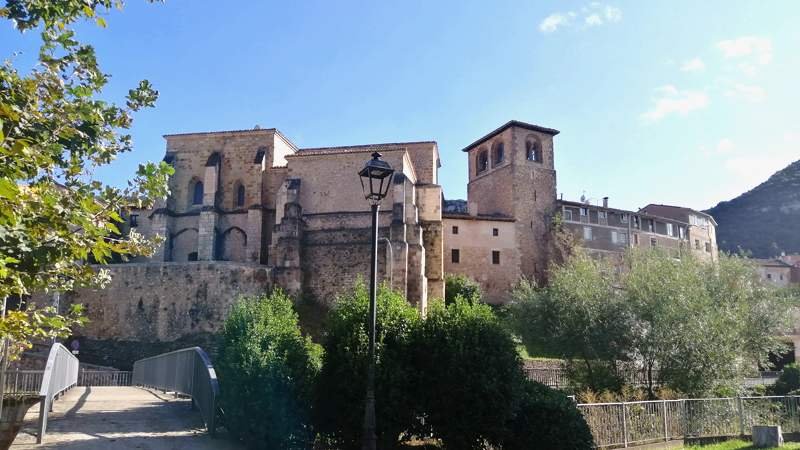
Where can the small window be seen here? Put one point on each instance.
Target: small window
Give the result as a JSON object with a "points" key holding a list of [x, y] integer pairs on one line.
{"points": [[697, 244], [603, 215], [584, 212], [455, 229], [636, 238], [495, 257], [498, 154], [240, 195], [636, 222], [653, 242], [614, 237], [669, 229], [193, 256], [781, 277], [495, 232], [708, 247], [651, 225], [568, 214], [623, 238], [483, 161], [587, 233], [769, 276], [197, 193], [623, 218], [681, 232], [455, 255]]}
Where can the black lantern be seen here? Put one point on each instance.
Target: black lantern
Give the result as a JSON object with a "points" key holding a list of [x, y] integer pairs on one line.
{"points": [[376, 177]]}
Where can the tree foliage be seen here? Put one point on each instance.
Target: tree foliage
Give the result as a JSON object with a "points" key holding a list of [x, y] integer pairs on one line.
{"points": [[267, 370], [691, 325], [547, 419], [580, 316], [461, 285], [55, 131], [341, 388], [469, 374]]}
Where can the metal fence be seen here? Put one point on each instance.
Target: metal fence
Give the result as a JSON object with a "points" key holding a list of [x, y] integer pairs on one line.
{"points": [[189, 372], [104, 378], [60, 374], [23, 381], [635, 423], [557, 377]]}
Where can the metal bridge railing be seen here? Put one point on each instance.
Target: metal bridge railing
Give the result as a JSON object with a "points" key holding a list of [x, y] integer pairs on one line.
{"points": [[187, 371], [23, 381], [60, 374]]}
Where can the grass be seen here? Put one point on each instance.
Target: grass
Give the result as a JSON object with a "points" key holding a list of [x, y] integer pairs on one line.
{"points": [[737, 444]]}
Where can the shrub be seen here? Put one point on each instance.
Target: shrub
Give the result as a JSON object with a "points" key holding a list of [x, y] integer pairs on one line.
{"points": [[547, 419], [461, 285], [266, 371], [468, 374], [788, 381], [341, 388]]}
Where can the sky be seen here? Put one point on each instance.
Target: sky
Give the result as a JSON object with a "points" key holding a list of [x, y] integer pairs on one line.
{"points": [[680, 102]]}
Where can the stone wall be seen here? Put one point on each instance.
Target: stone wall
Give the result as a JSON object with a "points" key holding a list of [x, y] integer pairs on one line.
{"points": [[167, 301]]}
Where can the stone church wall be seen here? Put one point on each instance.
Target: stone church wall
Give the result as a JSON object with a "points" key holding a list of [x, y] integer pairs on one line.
{"points": [[152, 303]]}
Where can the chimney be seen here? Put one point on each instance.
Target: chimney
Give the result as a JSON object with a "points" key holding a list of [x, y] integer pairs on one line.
{"points": [[605, 202]]}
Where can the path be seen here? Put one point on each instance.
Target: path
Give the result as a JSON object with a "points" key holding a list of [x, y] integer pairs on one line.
{"points": [[94, 418]]}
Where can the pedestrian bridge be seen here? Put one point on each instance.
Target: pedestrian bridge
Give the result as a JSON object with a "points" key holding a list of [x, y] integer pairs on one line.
{"points": [[167, 402]]}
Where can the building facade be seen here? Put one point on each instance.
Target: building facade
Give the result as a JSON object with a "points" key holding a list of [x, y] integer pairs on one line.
{"points": [[249, 211]]}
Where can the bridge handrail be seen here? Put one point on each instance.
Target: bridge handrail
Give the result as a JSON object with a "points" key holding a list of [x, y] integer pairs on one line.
{"points": [[187, 371], [60, 374]]}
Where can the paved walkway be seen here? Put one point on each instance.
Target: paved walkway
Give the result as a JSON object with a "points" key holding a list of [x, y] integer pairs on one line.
{"points": [[94, 418]]}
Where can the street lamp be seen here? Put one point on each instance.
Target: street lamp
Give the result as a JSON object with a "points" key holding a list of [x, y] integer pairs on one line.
{"points": [[376, 177]]}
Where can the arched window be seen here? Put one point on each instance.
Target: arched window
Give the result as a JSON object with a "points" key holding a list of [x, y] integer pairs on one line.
{"points": [[483, 161], [240, 195], [197, 193], [498, 153], [533, 151]]}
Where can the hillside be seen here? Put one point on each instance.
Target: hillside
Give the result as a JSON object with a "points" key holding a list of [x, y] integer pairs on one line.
{"points": [[764, 220]]}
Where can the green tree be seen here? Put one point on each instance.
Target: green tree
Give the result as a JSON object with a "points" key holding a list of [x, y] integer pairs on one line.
{"points": [[55, 131], [694, 326], [580, 316], [267, 370], [702, 325], [461, 285], [468, 374], [341, 389]]}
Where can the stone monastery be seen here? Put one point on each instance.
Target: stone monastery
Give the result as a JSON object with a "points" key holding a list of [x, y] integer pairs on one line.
{"points": [[249, 210]]}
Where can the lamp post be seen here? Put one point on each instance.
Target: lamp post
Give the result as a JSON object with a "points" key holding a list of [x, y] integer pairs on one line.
{"points": [[376, 177]]}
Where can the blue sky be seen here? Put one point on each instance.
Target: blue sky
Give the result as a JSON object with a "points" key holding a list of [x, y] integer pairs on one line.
{"points": [[679, 102]]}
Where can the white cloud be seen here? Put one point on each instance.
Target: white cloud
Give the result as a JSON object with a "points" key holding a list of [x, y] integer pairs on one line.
{"points": [[671, 100], [752, 51], [725, 145], [693, 65], [592, 15], [760, 49], [750, 93], [553, 22], [594, 19]]}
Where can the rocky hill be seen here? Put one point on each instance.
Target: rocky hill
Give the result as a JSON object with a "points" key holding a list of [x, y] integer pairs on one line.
{"points": [[764, 220]]}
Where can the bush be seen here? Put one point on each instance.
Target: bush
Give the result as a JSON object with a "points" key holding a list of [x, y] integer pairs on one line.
{"points": [[468, 374], [341, 389], [788, 381], [461, 285], [547, 419], [266, 371]]}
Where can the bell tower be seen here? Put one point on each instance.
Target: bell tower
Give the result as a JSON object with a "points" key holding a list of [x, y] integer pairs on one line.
{"points": [[512, 174]]}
